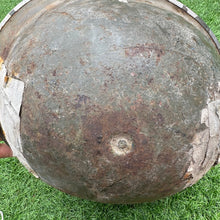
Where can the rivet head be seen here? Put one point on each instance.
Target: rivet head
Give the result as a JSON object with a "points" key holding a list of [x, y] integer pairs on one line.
{"points": [[121, 145]]}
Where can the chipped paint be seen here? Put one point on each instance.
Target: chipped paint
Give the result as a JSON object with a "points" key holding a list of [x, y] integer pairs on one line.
{"points": [[1, 62], [124, 1], [10, 104], [205, 152]]}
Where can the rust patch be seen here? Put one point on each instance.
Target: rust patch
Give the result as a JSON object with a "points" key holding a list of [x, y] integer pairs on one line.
{"points": [[54, 73], [5, 53], [99, 129], [64, 14], [115, 172], [67, 135], [38, 95], [7, 79], [52, 6], [81, 100], [188, 176], [86, 150], [146, 50], [82, 62], [179, 10], [31, 67], [1, 62]]}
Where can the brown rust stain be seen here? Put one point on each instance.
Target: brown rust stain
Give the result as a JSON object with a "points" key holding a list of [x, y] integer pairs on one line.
{"points": [[38, 95], [5, 53], [187, 176], [98, 131], [7, 79], [52, 6], [146, 50], [1, 62], [31, 67], [62, 13], [81, 100], [82, 62], [88, 151], [54, 73], [179, 10], [7, 49], [91, 157]]}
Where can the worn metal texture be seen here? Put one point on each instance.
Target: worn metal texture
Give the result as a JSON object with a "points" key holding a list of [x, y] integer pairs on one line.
{"points": [[120, 99]]}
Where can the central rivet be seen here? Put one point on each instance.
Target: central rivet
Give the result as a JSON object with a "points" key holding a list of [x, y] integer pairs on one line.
{"points": [[121, 145]]}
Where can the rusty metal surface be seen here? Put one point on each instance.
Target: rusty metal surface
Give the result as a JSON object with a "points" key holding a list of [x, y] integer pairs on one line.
{"points": [[113, 95]]}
